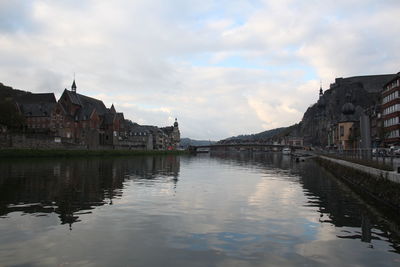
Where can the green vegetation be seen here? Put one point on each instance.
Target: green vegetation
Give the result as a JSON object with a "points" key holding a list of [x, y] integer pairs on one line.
{"points": [[9, 116], [28, 153]]}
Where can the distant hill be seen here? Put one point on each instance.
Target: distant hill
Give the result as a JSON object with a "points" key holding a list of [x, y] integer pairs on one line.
{"points": [[9, 116], [8, 93], [257, 137], [185, 142]]}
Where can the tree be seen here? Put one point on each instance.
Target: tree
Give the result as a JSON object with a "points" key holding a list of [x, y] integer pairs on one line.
{"points": [[9, 115]]}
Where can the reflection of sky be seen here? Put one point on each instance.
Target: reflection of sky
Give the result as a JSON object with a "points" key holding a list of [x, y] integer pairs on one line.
{"points": [[217, 214]]}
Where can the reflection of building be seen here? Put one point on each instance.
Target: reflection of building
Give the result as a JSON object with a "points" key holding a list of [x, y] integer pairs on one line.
{"points": [[391, 110], [69, 186]]}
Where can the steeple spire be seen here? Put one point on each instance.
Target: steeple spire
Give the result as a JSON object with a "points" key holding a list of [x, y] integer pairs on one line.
{"points": [[112, 109], [321, 92], [73, 86]]}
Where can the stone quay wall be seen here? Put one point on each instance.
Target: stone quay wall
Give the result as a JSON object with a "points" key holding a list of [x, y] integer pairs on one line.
{"points": [[382, 186], [44, 141], [35, 141]]}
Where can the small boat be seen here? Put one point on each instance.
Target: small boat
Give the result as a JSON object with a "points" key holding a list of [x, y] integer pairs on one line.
{"points": [[286, 151]]}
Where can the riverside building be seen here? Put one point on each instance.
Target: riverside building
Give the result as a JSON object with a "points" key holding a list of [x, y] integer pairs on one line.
{"points": [[391, 111]]}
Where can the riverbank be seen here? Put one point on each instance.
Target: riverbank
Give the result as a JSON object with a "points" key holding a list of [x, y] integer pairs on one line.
{"points": [[382, 186], [46, 153]]}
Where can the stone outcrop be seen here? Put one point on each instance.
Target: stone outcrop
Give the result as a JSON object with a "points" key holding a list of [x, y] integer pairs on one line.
{"points": [[364, 92]]}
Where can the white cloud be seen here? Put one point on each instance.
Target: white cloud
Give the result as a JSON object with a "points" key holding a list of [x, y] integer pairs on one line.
{"points": [[223, 68]]}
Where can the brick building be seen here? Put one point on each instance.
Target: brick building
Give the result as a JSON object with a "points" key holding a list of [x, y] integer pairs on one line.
{"points": [[83, 121], [37, 110]]}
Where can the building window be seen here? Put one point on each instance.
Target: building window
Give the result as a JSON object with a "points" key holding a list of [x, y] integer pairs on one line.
{"points": [[391, 122], [341, 131], [393, 134], [390, 97]]}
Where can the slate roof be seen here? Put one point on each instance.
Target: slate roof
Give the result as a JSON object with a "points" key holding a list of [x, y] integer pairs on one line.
{"points": [[36, 98], [136, 128], [153, 129], [74, 97], [90, 103], [87, 104], [37, 110], [36, 105], [168, 130]]}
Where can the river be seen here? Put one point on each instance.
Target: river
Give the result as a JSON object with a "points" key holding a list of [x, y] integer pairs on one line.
{"points": [[208, 210]]}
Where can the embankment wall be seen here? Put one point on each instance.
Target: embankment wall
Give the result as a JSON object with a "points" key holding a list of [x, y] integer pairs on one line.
{"points": [[382, 186], [45, 142]]}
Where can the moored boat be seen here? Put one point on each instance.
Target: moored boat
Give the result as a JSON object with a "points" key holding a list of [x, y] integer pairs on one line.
{"points": [[286, 151]]}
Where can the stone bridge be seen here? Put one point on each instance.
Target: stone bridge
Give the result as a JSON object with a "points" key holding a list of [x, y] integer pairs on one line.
{"points": [[241, 147]]}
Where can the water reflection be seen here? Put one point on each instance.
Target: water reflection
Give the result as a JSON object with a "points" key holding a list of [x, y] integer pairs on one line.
{"points": [[241, 209], [73, 187], [336, 203]]}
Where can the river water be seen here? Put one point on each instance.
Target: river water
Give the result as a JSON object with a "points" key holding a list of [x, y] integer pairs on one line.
{"points": [[206, 210]]}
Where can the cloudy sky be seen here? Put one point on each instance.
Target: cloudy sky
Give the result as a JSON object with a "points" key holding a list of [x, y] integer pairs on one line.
{"points": [[221, 67]]}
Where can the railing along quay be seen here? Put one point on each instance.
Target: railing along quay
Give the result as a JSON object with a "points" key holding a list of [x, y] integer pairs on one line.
{"points": [[377, 158]]}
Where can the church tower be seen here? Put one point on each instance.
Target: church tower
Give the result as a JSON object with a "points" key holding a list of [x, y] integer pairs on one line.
{"points": [[73, 86], [176, 135]]}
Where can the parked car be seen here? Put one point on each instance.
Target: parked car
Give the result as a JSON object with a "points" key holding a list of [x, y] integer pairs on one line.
{"points": [[379, 152], [394, 150]]}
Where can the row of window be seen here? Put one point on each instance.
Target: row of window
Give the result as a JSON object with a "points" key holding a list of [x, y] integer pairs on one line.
{"points": [[391, 109], [390, 97], [394, 134], [391, 122], [34, 126], [140, 133], [393, 84], [38, 119]]}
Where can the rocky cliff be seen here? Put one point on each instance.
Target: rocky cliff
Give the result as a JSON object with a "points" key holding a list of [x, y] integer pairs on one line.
{"points": [[363, 91]]}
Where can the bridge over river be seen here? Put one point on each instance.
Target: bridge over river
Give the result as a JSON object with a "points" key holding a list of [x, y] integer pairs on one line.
{"points": [[242, 147]]}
